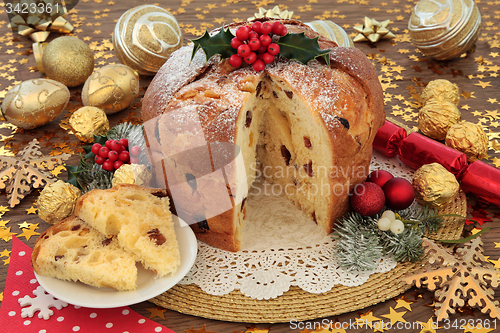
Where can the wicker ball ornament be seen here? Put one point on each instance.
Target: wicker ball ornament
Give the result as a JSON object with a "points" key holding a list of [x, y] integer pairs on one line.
{"points": [[399, 193], [444, 29], [68, 60], [367, 199], [145, 36]]}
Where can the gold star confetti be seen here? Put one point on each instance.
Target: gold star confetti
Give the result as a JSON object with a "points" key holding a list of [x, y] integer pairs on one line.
{"points": [[5, 253], [156, 312], [29, 232], [5, 234], [24, 225], [403, 302], [395, 316], [31, 210]]}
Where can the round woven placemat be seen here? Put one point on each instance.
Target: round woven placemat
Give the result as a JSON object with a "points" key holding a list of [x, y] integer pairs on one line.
{"points": [[300, 305]]}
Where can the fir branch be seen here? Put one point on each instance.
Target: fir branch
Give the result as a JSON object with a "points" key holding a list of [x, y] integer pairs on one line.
{"points": [[406, 246]]}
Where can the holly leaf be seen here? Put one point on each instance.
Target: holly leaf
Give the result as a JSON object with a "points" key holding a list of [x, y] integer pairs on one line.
{"points": [[301, 48], [219, 43]]}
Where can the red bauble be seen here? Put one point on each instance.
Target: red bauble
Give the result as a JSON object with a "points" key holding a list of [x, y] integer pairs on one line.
{"points": [[399, 193], [368, 199], [379, 177]]}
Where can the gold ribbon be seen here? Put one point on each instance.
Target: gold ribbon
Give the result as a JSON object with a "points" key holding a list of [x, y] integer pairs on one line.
{"points": [[272, 13], [373, 31]]}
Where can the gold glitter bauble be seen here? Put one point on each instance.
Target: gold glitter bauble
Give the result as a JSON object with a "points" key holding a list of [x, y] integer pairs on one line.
{"points": [[436, 117], [468, 138], [68, 60], [111, 88], [88, 121], [442, 90], [444, 29], [138, 174], [35, 102], [145, 36], [57, 201], [434, 185], [332, 31]]}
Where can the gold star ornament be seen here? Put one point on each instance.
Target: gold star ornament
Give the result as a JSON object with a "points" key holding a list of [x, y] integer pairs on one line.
{"points": [[373, 30]]}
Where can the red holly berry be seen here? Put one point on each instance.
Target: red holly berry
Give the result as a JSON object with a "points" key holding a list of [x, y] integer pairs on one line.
{"points": [[123, 142], [253, 35], [104, 152], [277, 26], [267, 58], [134, 160], [273, 49], [95, 148], [265, 40], [99, 159], [262, 49], [254, 44], [135, 151], [256, 27], [117, 164], [124, 156], [235, 60], [112, 155], [266, 28], [108, 143], [116, 146], [258, 65], [242, 33], [284, 31], [108, 165], [235, 43], [250, 59], [244, 50]]}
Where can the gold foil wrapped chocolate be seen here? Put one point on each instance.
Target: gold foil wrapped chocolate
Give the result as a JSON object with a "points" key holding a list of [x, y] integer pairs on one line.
{"points": [[468, 138], [444, 29], [272, 13], [68, 60], [436, 117], [138, 174], [88, 121], [373, 30], [442, 90], [57, 201], [331, 31], [111, 88], [145, 36], [35, 102], [434, 185]]}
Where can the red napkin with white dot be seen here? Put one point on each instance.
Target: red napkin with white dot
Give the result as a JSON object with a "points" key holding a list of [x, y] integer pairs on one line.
{"points": [[21, 282]]}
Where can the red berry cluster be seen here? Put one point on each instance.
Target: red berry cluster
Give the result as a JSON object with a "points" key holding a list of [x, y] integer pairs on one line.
{"points": [[254, 44], [114, 154]]}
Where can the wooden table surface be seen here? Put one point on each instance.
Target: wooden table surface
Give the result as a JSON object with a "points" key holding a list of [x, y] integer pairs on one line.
{"points": [[402, 70]]}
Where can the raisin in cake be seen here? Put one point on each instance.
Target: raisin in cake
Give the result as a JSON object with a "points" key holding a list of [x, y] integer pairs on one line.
{"points": [[309, 127], [74, 251], [141, 221]]}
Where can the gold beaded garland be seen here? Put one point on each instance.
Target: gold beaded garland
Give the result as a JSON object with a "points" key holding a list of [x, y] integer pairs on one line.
{"points": [[88, 121], [68, 60], [35, 102]]}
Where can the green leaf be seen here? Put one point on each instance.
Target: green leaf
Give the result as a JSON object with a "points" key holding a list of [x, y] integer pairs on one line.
{"points": [[301, 48], [73, 172], [219, 43]]}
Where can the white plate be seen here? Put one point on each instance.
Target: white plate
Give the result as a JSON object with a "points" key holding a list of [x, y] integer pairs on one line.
{"points": [[77, 293]]}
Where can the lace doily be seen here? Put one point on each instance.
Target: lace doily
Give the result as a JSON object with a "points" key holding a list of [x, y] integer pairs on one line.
{"points": [[282, 247]]}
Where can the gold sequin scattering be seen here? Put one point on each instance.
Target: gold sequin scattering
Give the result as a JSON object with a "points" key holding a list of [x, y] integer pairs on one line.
{"points": [[88, 121], [272, 13], [145, 36], [444, 29], [35, 102], [468, 138], [442, 90], [57, 201], [436, 117], [68, 60], [373, 30], [111, 88], [137, 174], [434, 185], [331, 31]]}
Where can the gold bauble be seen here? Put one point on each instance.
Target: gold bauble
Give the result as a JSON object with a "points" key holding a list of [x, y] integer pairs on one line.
{"points": [[442, 90], [138, 174], [332, 31], [111, 88], [145, 36], [88, 121], [436, 117], [468, 138], [444, 29], [434, 185], [57, 201], [35, 102], [68, 60]]}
